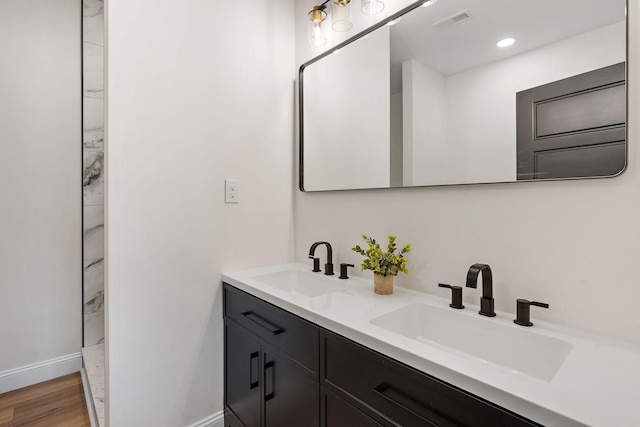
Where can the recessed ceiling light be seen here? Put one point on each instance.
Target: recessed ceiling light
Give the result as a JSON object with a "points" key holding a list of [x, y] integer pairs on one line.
{"points": [[429, 3], [506, 42]]}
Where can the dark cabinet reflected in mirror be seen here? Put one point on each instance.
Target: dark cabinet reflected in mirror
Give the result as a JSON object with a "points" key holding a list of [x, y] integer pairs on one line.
{"points": [[432, 99]]}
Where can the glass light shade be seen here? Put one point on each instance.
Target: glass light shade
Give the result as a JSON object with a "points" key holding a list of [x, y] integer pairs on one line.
{"points": [[316, 16], [340, 10], [372, 7]]}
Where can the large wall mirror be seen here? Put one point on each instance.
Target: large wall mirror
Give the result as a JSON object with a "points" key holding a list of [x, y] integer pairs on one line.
{"points": [[428, 98]]}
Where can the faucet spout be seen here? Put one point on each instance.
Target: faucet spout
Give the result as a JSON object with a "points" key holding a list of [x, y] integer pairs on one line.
{"points": [[328, 267], [486, 301]]}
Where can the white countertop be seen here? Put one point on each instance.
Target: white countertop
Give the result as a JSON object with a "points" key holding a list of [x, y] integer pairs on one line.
{"points": [[597, 385]]}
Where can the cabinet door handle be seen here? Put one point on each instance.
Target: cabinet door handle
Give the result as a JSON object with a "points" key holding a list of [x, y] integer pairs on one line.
{"points": [[253, 370], [264, 324], [411, 405], [269, 375]]}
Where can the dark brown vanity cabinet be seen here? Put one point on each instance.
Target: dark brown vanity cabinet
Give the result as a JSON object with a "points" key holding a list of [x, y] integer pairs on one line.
{"points": [[394, 394], [271, 365], [281, 370]]}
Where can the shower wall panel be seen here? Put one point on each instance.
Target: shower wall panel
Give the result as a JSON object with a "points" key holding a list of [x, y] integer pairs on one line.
{"points": [[93, 164]]}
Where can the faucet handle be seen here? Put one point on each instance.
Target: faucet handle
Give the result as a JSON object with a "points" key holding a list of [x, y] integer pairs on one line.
{"points": [[343, 270], [523, 311], [456, 295], [316, 264]]}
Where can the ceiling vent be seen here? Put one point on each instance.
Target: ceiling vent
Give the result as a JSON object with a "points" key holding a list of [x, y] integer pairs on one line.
{"points": [[452, 21]]}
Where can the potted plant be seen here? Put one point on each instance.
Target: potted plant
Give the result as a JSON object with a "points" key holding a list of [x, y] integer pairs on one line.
{"points": [[385, 265]]}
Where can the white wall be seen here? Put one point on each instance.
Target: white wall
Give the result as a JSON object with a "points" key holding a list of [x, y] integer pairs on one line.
{"points": [[362, 68], [396, 134], [197, 91], [40, 181], [573, 244], [424, 117]]}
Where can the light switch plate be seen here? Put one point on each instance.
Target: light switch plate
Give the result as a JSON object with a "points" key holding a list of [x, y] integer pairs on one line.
{"points": [[232, 191]]}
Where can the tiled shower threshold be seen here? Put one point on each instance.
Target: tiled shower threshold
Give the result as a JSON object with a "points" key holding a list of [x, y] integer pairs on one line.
{"points": [[93, 358]]}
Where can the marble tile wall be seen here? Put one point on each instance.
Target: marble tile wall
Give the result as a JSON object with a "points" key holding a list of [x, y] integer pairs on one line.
{"points": [[93, 176]]}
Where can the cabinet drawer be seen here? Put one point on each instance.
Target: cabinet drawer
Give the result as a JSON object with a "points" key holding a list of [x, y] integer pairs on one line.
{"points": [[403, 395], [335, 412], [287, 332]]}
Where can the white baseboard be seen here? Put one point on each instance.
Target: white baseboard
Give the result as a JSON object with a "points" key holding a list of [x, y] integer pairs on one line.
{"points": [[215, 420], [25, 376]]}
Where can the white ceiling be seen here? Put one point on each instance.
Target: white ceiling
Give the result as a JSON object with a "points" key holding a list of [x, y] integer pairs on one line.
{"points": [[472, 43]]}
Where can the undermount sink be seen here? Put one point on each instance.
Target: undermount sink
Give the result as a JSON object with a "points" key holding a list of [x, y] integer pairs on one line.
{"points": [[512, 347], [300, 282]]}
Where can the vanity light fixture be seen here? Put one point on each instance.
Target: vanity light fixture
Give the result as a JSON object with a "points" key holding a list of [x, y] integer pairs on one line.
{"points": [[340, 10], [506, 42], [316, 16], [372, 7]]}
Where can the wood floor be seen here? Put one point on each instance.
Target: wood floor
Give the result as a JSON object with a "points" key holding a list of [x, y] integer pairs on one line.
{"points": [[56, 403]]}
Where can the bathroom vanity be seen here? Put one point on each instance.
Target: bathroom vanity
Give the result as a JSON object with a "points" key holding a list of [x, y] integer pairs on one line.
{"points": [[306, 349]]}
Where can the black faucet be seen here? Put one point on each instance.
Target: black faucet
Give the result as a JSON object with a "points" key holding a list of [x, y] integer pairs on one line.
{"points": [[456, 295], [486, 302], [328, 267], [523, 311]]}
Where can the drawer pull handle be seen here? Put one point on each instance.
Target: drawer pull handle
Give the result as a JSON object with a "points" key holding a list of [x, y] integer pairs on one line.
{"points": [[253, 370], [264, 324], [269, 376], [411, 405]]}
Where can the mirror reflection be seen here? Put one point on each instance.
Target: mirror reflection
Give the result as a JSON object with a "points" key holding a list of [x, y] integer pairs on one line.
{"points": [[436, 99]]}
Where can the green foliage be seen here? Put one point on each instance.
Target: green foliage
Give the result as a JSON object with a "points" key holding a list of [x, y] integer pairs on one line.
{"points": [[383, 263]]}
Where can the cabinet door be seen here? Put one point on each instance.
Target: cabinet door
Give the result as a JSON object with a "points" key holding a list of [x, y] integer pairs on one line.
{"points": [[242, 374], [335, 412], [574, 127], [291, 396], [230, 420], [294, 336]]}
